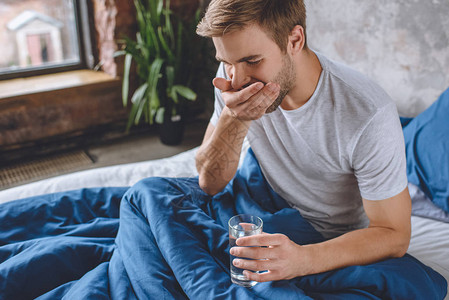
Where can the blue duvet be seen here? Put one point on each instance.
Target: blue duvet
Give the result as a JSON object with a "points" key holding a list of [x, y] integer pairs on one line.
{"points": [[165, 239]]}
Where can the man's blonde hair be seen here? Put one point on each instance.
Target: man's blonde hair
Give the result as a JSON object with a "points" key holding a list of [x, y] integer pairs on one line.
{"points": [[276, 17]]}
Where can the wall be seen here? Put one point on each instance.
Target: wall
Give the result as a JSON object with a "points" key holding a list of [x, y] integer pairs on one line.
{"points": [[402, 44]]}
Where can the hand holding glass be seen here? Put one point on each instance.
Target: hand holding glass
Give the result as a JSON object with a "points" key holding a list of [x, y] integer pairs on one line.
{"points": [[239, 226]]}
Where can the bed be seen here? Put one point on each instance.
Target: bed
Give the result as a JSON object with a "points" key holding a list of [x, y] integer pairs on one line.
{"points": [[41, 275]]}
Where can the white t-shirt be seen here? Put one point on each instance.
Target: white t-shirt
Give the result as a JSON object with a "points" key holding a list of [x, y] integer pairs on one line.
{"points": [[345, 143]]}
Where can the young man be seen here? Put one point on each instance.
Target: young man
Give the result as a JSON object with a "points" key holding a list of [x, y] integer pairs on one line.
{"points": [[328, 140]]}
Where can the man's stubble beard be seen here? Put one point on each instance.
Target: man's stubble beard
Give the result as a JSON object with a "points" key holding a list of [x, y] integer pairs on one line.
{"points": [[286, 78]]}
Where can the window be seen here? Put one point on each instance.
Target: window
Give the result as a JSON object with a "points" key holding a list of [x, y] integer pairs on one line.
{"points": [[42, 36]]}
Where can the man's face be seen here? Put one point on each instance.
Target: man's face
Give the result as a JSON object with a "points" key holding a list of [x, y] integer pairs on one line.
{"points": [[249, 56]]}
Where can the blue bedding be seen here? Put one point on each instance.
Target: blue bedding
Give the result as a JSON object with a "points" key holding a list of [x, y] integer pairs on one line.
{"points": [[427, 149], [165, 239]]}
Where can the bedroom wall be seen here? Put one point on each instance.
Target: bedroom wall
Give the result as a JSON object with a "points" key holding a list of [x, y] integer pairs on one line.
{"points": [[402, 44]]}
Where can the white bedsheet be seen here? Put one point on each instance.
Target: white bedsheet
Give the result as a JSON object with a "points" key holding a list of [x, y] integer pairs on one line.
{"points": [[429, 242], [180, 165]]}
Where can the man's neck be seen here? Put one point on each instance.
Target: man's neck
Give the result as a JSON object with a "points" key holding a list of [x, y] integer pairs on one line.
{"points": [[308, 71]]}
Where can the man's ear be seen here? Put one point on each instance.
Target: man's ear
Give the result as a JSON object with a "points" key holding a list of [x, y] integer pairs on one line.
{"points": [[296, 40]]}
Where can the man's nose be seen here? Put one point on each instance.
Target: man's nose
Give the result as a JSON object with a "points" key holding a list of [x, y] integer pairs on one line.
{"points": [[239, 78]]}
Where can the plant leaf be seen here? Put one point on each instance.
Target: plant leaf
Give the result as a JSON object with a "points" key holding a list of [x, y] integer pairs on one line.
{"points": [[168, 24], [160, 115], [179, 45], [185, 92], [153, 41], [140, 106], [153, 112], [154, 11], [125, 86], [146, 112], [131, 118], [167, 56], [153, 79], [119, 53], [142, 47], [170, 73], [173, 95], [160, 6], [165, 45], [139, 93], [140, 12]]}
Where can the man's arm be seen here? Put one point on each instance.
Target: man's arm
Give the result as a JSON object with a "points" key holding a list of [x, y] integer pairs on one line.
{"points": [[387, 236], [218, 156]]}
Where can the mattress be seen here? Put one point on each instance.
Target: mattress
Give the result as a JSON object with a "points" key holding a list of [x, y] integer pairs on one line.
{"points": [[426, 243]]}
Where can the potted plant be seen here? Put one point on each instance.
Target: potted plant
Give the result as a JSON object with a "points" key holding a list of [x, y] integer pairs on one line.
{"points": [[166, 53]]}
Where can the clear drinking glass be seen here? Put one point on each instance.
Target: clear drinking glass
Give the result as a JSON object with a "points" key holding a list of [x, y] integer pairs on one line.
{"points": [[239, 226]]}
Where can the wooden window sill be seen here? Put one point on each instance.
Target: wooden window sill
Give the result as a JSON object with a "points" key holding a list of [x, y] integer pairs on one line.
{"points": [[49, 107], [46, 83]]}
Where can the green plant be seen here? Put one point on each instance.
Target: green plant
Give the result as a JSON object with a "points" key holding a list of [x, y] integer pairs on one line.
{"points": [[166, 54]]}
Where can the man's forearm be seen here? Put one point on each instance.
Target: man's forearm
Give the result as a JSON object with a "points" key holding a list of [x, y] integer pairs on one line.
{"points": [[217, 159], [387, 236], [359, 247]]}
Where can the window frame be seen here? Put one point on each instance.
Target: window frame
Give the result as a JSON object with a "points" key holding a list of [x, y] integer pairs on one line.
{"points": [[85, 25]]}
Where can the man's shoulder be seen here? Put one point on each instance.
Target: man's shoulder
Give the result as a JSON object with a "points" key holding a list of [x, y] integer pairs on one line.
{"points": [[343, 80]]}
